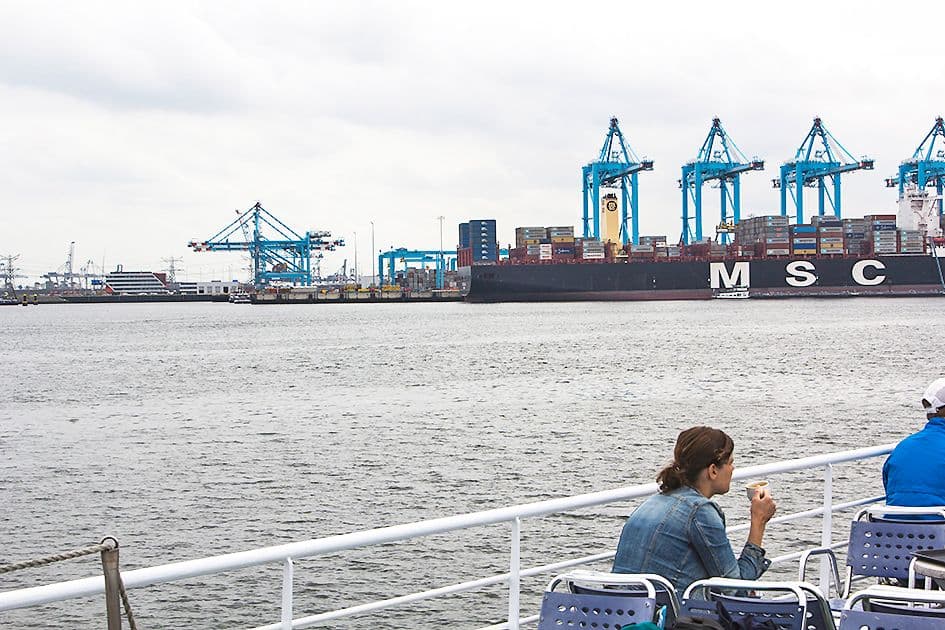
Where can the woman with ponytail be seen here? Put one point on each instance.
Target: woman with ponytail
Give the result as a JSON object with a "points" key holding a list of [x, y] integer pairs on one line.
{"points": [[680, 533]]}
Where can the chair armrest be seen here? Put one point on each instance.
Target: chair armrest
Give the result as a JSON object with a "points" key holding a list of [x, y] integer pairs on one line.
{"points": [[831, 558], [897, 594]]}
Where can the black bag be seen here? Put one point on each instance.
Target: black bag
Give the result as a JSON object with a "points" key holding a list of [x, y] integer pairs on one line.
{"points": [[745, 623], [697, 623]]}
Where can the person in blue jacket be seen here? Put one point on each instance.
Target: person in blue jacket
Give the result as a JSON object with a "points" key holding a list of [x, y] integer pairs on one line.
{"points": [[914, 473], [680, 533]]}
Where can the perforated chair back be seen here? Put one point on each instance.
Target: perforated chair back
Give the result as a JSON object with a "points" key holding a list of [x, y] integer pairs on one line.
{"points": [[880, 606], [884, 549], [573, 610], [863, 620], [785, 614], [664, 597]]}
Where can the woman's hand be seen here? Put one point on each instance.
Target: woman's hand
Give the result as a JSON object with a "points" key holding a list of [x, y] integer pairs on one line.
{"points": [[763, 508]]}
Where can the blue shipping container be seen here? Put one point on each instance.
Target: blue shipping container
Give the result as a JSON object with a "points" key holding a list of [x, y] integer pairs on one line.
{"points": [[463, 235]]}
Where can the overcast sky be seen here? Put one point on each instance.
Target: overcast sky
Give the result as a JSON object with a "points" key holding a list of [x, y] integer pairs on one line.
{"points": [[132, 127]]}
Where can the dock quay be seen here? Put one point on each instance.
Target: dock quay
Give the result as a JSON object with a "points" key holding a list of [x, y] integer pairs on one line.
{"points": [[314, 295]]}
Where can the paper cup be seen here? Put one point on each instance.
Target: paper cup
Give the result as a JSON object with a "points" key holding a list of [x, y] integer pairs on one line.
{"points": [[755, 486]]}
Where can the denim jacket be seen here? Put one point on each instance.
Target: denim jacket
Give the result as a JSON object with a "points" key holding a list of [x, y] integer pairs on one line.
{"points": [[681, 536]]}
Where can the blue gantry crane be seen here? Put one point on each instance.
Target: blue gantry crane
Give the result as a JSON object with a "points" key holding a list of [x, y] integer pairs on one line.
{"points": [[441, 261], [926, 167], [811, 166], [719, 160], [286, 256], [616, 167]]}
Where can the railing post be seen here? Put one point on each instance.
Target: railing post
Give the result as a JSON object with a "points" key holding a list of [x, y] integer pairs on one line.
{"points": [[515, 567], [288, 571], [826, 532], [112, 584]]}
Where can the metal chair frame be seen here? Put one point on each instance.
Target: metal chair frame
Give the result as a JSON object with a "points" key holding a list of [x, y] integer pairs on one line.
{"points": [[804, 595], [607, 583], [560, 608], [894, 607], [879, 515]]}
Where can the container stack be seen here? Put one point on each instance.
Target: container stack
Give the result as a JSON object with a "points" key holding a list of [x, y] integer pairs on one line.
{"points": [[882, 237], [562, 243], [642, 251], [911, 242], [769, 235], [657, 240], [803, 240], [525, 236], [592, 249], [483, 241], [854, 236], [562, 234], [829, 235]]}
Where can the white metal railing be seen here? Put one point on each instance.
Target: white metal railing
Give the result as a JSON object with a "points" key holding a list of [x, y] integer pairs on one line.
{"points": [[285, 554]]}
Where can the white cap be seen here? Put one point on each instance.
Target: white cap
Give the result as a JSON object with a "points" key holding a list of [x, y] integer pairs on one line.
{"points": [[935, 395]]}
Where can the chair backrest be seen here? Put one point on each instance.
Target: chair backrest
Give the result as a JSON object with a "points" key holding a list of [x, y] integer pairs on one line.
{"points": [[785, 614], [880, 606], [790, 605], [665, 594], [884, 549], [865, 620], [574, 610]]}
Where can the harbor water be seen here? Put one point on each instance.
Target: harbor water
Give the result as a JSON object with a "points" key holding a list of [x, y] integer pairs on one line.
{"points": [[190, 430]]}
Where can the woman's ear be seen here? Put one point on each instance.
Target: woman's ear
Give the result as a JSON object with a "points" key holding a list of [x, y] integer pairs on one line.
{"points": [[712, 472]]}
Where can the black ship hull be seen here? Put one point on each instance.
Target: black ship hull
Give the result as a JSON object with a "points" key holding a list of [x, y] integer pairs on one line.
{"points": [[684, 279]]}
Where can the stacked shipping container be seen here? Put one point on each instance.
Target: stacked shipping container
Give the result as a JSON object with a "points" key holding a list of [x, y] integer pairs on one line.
{"points": [[592, 249], [854, 236], [769, 235], [881, 234], [829, 235], [911, 242], [803, 240], [477, 243]]}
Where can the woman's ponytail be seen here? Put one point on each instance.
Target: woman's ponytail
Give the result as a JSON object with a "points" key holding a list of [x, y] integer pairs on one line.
{"points": [[696, 449]]}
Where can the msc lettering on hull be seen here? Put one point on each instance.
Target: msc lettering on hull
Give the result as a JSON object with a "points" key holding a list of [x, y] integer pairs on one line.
{"points": [[798, 273]]}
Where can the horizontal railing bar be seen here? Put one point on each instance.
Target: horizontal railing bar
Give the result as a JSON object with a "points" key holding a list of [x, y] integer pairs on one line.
{"points": [[797, 554], [304, 622], [795, 516], [216, 564]]}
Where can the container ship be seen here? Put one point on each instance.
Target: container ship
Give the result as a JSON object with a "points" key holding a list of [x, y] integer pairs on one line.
{"points": [[769, 258]]}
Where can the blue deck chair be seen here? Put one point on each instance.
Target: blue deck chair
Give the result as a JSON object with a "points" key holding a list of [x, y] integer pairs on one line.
{"points": [[894, 608], [882, 541], [594, 610], [624, 584], [790, 605]]}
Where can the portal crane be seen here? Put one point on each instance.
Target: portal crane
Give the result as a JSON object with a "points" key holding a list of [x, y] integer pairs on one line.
{"points": [[811, 166], [285, 258], [927, 165], [718, 160], [616, 167], [440, 260]]}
